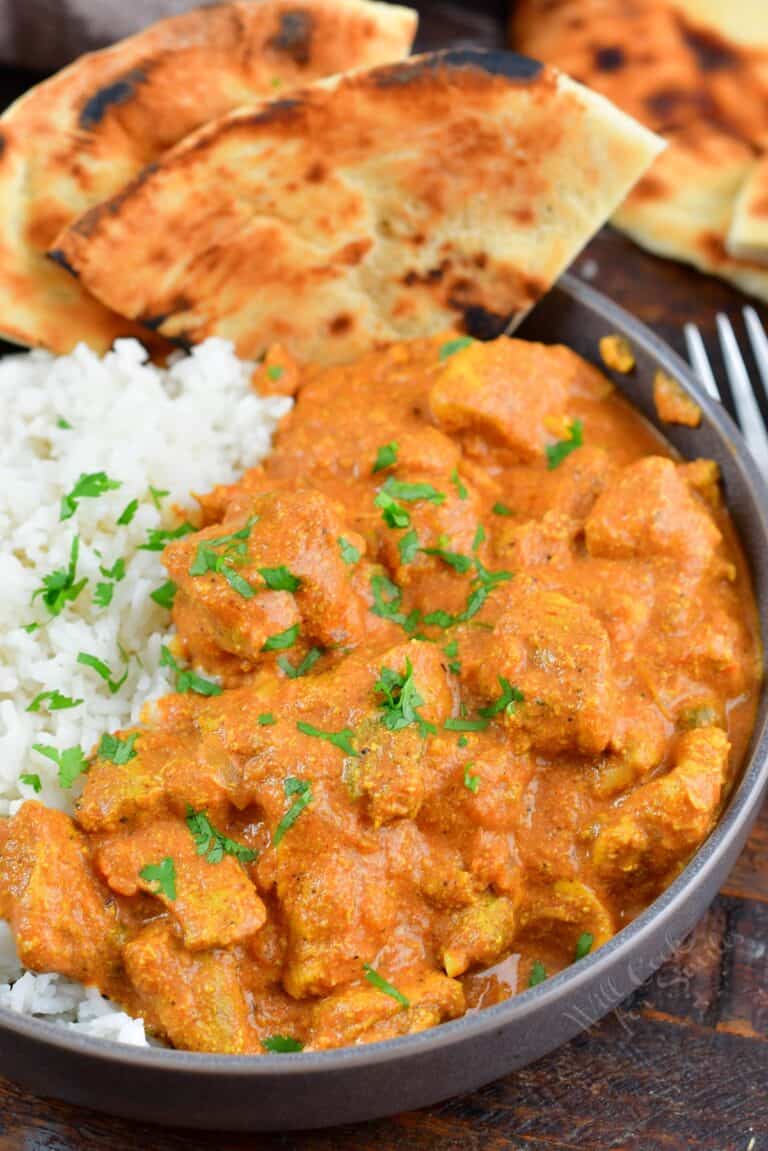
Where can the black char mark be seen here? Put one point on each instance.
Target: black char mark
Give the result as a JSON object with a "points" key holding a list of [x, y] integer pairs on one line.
{"points": [[712, 52], [294, 35], [609, 59], [484, 325], [96, 107], [59, 258], [508, 64]]}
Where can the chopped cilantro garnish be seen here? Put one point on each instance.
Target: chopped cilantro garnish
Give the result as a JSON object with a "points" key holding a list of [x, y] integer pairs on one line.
{"points": [[165, 594], [64, 424], [280, 579], [88, 486], [456, 480], [157, 538], [187, 680], [392, 513], [401, 700], [479, 537], [102, 669], [510, 696], [128, 512], [157, 495], [461, 724], [71, 762], [471, 782], [282, 639], [31, 780], [341, 739], [236, 581], [412, 493], [275, 372], [387, 598], [583, 946], [266, 719], [452, 650], [161, 878], [557, 452], [349, 553], [458, 562], [309, 661], [538, 974], [102, 594], [55, 700], [116, 572], [382, 984], [209, 558], [440, 618], [59, 587], [462, 741], [386, 457], [282, 1044], [212, 843], [29, 628], [408, 547], [302, 789], [450, 347], [500, 509], [116, 750]]}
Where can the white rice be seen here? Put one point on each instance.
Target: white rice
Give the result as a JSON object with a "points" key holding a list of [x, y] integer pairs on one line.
{"points": [[184, 429]]}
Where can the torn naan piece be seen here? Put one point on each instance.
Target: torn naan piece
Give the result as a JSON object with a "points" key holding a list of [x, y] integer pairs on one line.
{"points": [[77, 138], [696, 74], [383, 205], [748, 232]]}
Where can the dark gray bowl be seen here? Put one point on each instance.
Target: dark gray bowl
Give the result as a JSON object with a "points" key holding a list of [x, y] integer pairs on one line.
{"points": [[271, 1092]]}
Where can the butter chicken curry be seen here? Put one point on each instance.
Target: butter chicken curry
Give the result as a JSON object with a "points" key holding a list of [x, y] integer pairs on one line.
{"points": [[464, 674]]}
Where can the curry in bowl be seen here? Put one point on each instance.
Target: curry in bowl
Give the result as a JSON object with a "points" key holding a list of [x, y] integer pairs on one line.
{"points": [[464, 674]]}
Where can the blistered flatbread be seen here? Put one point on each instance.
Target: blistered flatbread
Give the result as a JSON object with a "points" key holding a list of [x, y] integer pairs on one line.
{"points": [[695, 71], [383, 205], [79, 137]]}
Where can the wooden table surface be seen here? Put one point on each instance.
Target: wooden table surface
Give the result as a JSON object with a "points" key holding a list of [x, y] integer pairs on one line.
{"points": [[682, 1065]]}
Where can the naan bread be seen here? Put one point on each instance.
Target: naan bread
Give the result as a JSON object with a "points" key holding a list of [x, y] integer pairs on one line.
{"points": [[669, 63], [748, 233], [383, 205], [79, 137]]}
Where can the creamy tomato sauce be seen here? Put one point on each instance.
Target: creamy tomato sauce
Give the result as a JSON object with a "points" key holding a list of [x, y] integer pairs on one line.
{"points": [[465, 674]]}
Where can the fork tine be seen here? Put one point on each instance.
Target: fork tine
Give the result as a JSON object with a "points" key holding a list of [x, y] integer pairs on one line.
{"points": [[697, 355], [759, 342], [744, 400]]}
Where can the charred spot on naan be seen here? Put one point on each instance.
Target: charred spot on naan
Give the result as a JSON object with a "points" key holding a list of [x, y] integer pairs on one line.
{"points": [[119, 91], [294, 35]]}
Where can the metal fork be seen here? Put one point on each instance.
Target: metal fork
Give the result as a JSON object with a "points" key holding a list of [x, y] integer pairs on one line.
{"points": [[747, 410]]}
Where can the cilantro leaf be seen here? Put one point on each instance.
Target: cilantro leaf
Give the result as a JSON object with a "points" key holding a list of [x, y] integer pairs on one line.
{"points": [[281, 1044], [157, 495], [31, 780], [401, 700], [510, 696], [386, 457], [266, 719], [450, 347], [458, 562], [103, 670], [161, 878], [309, 661], [128, 512], [55, 700], [65, 425], [382, 984], [282, 639], [116, 572], [500, 509], [408, 547], [302, 789], [559, 451], [212, 843], [187, 680], [165, 594], [387, 598], [157, 538], [349, 553], [392, 513], [456, 480], [275, 372], [341, 739], [59, 587], [461, 724], [71, 762], [116, 750], [102, 595], [89, 486], [412, 493], [280, 579], [538, 974], [583, 946], [471, 782]]}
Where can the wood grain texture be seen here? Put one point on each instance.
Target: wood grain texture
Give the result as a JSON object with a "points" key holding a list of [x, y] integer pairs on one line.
{"points": [[680, 1066]]}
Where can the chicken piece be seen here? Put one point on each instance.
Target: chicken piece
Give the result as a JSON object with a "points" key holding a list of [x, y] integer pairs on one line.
{"points": [[280, 568], [505, 391], [364, 1014], [555, 652], [388, 776], [214, 904], [672, 402], [559, 915], [577, 482], [62, 918], [478, 936], [170, 769], [338, 906], [663, 821], [196, 1000], [651, 511], [536, 542]]}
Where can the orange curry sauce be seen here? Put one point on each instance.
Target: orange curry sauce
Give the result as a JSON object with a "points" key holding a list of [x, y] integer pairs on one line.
{"points": [[490, 661]]}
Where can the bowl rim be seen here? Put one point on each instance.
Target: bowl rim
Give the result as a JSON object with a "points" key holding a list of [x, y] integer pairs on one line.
{"points": [[739, 811]]}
